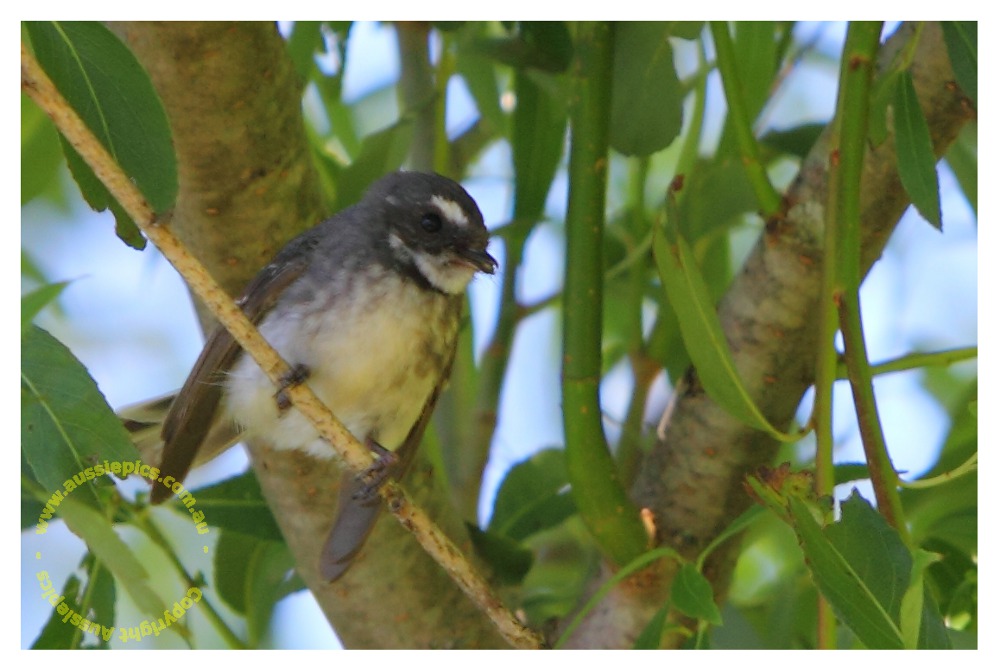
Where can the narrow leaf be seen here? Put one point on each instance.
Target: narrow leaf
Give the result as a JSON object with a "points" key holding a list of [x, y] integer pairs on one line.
{"points": [[96, 530], [915, 152], [649, 638], [56, 633], [963, 158], [912, 605], [539, 134], [962, 40], [702, 332], [33, 302], [381, 152]]}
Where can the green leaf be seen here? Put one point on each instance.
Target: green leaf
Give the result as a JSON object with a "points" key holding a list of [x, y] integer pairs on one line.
{"points": [[700, 327], [646, 99], [99, 198], [538, 132], [33, 302], [797, 141], [963, 158], [685, 29], [108, 88], [480, 76], [96, 530], [102, 592], [237, 504], [40, 153], [381, 152], [251, 576], [691, 594], [911, 610], [95, 603], [542, 45], [303, 43], [757, 65], [738, 525], [110, 91], [961, 39], [915, 152], [882, 96], [562, 569], [66, 425], [649, 638], [852, 599], [57, 634], [509, 560], [533, 496], [849, 472]]}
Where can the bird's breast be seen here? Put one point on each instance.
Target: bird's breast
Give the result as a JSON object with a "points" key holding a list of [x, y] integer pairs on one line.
{"points": [[375, 345]]}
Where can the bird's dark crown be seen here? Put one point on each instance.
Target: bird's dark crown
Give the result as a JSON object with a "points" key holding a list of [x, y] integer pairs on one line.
{"points": [[434, 228]]}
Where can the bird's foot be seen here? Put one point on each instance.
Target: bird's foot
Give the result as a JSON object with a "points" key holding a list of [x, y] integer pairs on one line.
{"points": [[377, 473], [295, 376]]}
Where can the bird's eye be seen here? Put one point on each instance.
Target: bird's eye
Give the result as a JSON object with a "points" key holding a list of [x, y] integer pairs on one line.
{"points": [[431, 222]]}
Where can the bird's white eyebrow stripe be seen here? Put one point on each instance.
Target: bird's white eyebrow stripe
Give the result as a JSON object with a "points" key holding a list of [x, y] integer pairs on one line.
{"points": [[451, 210]]}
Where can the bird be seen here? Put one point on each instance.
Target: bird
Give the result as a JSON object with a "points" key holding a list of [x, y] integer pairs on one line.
{"points": [[366, 308]]}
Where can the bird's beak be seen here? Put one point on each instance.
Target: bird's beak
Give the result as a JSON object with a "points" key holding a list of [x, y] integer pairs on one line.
{"points": [[479, 259]]}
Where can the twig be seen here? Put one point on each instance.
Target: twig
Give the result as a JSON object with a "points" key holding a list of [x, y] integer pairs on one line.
{"points": [[356, 456]]}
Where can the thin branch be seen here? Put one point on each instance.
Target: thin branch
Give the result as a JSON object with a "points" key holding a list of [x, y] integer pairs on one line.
{"points": [[600, 496], [843, 252], [356, 456]]}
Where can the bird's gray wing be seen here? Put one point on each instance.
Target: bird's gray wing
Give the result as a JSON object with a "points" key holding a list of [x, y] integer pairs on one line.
{"points": [[356, 517], [194, 411]]}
